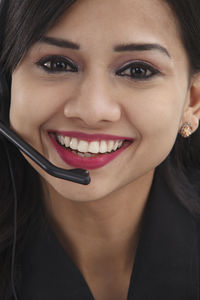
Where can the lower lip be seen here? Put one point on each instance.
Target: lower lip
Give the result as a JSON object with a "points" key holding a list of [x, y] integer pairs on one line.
{"points": [[87, 163]]}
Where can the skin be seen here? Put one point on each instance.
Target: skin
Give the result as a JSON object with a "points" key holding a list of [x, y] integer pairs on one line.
{"points": [[99, 227]]}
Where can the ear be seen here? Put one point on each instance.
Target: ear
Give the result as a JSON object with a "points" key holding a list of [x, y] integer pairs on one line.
{"points": [[192, 106]]}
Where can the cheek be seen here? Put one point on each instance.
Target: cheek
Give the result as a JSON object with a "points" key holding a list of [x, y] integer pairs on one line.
{"points": [[156, 118], [33, 103], [156, 110]]}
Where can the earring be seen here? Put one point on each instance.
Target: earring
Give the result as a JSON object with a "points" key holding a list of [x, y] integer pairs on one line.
{"points": [[186, 130]]}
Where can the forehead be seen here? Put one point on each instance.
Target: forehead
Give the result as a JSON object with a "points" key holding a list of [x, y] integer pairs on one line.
{"points": [[95, 21]]}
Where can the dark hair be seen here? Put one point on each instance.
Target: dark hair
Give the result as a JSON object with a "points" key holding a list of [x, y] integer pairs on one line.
{"points": [[22, 23]]}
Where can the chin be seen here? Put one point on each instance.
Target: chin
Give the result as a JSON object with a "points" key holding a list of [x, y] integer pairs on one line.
{"points": [[66, 190]]}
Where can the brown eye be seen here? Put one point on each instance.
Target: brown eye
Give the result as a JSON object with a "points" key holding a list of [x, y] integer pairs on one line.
{"points": [[56, 64], [137, 71]]}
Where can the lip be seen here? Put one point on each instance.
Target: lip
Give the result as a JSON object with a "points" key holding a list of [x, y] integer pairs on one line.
{"points": [[87, 163], [90, 137]]}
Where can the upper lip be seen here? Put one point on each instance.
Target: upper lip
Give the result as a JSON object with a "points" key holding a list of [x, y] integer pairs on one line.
{"points": [[89, 137]]}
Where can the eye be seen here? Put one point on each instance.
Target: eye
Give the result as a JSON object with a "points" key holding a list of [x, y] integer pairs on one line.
{"points": [[57, 64], [138, 71]]}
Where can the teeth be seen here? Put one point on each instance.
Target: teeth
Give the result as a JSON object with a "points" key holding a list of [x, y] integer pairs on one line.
{"points": [[83, 154], [93, 147], [80, 154], [83, 146], [67, 141], [120, 144], [61, 139], [116, 145], [74, 144], [110, 146], [103, 147], [88, 155]]}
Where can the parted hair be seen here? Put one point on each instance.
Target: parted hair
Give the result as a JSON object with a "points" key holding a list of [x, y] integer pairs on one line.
{"points": [[22, 23]]}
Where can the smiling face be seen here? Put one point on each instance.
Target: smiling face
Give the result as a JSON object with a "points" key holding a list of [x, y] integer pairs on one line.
{"points": [[107, 71]]}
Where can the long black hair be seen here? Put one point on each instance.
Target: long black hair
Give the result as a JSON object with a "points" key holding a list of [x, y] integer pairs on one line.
{"points": [[22, 23]]}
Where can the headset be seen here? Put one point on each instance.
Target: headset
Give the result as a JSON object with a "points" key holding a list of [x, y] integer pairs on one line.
{"points": [[75, 175], [79, 176]]}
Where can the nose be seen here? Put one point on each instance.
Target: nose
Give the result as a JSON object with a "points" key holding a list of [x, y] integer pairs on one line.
{"points": [[93, 103]]}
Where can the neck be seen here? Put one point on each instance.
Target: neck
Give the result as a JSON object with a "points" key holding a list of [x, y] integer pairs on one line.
{"points": [[101, 231]]}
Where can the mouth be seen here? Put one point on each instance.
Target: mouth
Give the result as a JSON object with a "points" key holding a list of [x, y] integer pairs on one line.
{"points": [[88, 151]]}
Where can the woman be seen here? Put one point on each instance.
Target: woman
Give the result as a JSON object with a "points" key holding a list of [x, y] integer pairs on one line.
{"points": [[112, 87]]}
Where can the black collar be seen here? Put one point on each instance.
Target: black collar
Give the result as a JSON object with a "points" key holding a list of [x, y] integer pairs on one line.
{"points": [[166, 264]]}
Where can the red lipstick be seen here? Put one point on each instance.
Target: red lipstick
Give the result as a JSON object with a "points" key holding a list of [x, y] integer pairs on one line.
{"points": [[90, 137], [87, 163]]}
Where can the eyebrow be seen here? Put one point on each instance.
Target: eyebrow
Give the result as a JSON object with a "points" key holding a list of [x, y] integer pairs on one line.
{"points": [[118, 48], [141, 47], [59, 42]]}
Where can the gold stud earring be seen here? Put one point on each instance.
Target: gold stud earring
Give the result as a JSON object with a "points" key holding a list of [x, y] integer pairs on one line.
{"points": [[186, 130]]}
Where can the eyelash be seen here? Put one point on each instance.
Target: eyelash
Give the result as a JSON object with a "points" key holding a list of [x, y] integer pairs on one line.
{"points": [[141, 67], [136, 70], [61, 61]]}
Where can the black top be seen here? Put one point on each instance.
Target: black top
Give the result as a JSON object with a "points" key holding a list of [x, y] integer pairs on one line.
{"points": [[166, 264]]}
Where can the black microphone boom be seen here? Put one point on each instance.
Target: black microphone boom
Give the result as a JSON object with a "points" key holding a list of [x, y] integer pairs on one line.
{"points": [[76, 175]]}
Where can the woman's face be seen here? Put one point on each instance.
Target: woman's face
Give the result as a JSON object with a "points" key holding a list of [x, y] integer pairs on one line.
{"points": [[116, 68]]}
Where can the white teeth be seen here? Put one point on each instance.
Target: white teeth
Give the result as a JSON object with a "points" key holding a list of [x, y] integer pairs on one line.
{"points": [[83, 146], [61, 139], [88, 155], [67, 141], [80, 154], [83, 154], [110, 146], [116, 145], [120, 144], [93, 147], [103, 147], [74, 144]]}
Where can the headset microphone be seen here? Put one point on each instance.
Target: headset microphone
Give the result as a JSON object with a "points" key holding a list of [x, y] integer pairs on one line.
{"points": [[76, 175]]}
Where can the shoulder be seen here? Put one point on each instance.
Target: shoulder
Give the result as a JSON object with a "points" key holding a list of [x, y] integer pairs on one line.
{"points": [[194, 177]]}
